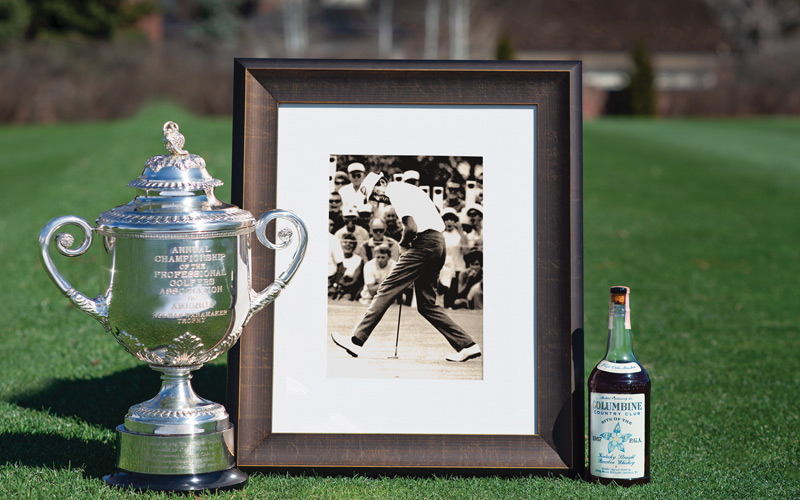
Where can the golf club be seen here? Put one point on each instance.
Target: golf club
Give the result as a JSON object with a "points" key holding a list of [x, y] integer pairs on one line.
{"points": [[397, 339]]}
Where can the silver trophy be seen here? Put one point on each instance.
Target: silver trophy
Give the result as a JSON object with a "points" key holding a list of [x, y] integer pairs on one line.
{"points": [[179, 294]]}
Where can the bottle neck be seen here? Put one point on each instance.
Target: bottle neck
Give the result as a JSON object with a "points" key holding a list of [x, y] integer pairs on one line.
{"points": [[620, 339]]}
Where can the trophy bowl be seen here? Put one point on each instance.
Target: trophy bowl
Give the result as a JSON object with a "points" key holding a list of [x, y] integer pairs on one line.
{"points": [[179, 295]]}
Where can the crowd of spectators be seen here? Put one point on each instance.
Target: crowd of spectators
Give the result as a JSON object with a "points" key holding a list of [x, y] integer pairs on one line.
{"points": [[364, 239]]}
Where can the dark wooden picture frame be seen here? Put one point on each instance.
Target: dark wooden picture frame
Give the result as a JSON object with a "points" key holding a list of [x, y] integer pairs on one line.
{"points": [[554, 88]]}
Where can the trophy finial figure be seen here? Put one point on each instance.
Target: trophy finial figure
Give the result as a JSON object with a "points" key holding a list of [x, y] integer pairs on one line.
{"points": [[173, 139]]}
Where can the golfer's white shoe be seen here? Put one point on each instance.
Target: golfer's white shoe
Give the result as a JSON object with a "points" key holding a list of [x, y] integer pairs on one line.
{"points": [[464, 354], [346, 343]]}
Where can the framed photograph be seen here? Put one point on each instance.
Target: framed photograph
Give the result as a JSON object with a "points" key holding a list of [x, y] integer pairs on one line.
{"points": [[436, 323]]}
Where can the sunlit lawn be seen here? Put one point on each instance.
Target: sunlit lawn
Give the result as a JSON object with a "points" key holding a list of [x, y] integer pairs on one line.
{"points": [[698, 217]]}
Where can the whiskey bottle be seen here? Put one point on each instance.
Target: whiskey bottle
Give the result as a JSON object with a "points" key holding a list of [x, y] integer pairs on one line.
{"points": [[619, 405]]}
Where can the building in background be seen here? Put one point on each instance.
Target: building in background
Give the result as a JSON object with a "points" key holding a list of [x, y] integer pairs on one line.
{"points": [[688, 47], [709, 57]]}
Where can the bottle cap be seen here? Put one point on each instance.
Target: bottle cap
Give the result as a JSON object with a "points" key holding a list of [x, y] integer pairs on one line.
{"points": [[619, 294]]}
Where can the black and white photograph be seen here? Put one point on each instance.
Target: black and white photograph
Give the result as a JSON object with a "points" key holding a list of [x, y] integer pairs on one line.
{"points": [[383, 315], [405, 267]]}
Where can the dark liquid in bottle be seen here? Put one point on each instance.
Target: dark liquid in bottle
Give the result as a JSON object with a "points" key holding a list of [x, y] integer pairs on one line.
{"points": [[623, 383]]}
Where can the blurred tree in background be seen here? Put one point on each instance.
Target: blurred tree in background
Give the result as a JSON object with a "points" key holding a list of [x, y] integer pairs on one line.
{"points": [[642, 90], [639, 96], [505, 49], [216, 20], [99, 19], [14, 18]]}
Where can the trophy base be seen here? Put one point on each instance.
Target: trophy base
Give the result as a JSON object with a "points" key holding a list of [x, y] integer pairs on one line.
{"points": [[176, 441], [227, 479]]}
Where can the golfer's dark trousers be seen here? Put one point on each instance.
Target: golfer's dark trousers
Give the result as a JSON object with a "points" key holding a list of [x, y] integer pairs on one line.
{"points": [[419, 265]]}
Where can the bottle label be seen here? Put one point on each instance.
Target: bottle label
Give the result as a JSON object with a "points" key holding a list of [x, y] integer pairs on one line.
{"points": [[617, 435], [611, 367]]}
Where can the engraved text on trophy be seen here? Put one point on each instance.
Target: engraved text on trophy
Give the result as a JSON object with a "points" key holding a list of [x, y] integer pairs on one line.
{"points": [[191, 278]]}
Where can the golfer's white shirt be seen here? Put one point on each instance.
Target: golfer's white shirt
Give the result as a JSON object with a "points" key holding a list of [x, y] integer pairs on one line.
{"points": [[409, 200]]}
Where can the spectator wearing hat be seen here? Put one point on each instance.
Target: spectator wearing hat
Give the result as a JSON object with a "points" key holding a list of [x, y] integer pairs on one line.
{"points": [[351, 280], [456, 244], [378, 238], [375, 271], [411, 177], [350, 227], [349, 192], [475, 215], [466, 226], [470, 283], [419, 265]]}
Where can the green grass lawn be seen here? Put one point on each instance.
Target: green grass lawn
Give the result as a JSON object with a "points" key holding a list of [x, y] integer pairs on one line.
{"points": [[700, 218]]}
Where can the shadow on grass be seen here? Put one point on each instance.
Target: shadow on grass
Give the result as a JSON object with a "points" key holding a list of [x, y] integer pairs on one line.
{"points": [[105, 401], [51, 450]]}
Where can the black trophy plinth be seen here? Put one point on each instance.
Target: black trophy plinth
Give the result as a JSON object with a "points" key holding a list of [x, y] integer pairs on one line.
{"points": [[227, 479]]}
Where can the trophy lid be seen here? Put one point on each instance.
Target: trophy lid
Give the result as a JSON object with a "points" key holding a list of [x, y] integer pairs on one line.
{"points": [[177, 198], [178, 171]]}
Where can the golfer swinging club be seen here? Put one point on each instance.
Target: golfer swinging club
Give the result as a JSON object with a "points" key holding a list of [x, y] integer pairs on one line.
{"points": [[420, 265]]}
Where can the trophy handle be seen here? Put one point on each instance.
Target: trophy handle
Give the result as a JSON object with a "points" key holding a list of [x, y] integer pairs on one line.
{"points": [[260, 299], [96, 308]]}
